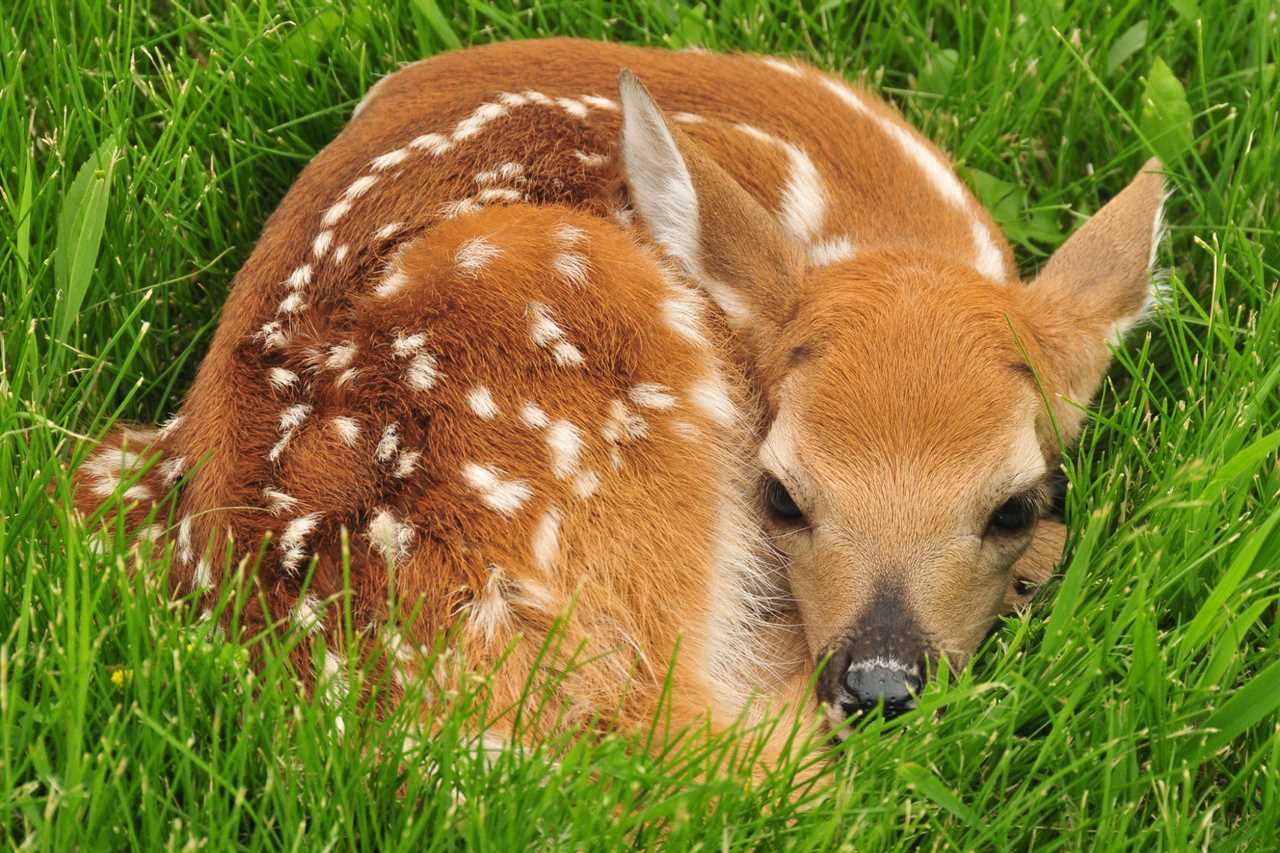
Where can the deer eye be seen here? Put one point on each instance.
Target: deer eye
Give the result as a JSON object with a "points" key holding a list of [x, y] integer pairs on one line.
{"points": [[1023, 587], [1014, 516], [780, 502]]}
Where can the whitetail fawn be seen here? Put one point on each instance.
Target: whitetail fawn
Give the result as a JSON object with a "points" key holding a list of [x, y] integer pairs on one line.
{"points": [[754, 378]]}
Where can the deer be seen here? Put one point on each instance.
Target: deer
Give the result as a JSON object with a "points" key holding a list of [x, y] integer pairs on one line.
{"points": [[710, 362]]}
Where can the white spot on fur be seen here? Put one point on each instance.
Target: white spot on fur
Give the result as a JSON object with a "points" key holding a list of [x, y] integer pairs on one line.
{"points": [[360, 186], [345, 376], [388, 230], [615, 458], [804, 198], [278, 502], [308, 614], [568, 234], [433, 143], [586, 483], [499, 194], [169, 427], [687, 118], [565, 442], [572, 267], [711, 397], [185, 552], [566, 354], [988, 259], [406, 345], [293, 540], [591, 160], [599, 103], [461, 207], [334, 214], [682, 311], [340, 356], [480, 401], [390, 536], [543, 329], [504, 496], [291, 304], [832, 250], [545, 542], [391, 158], [347, 428], [171, 469], [651, 395], [533, 416], [847, 95], [778, 65], [686, 430], [474, 123], [489, 612], [340, 253], [321, 244], [406, 463], [292, 417], [272, 336], [577, 109], [281, 378], [474, 255], [388, 443], [202, 577], [299, 278], [422, 372], [623, 425], [392, 283]]}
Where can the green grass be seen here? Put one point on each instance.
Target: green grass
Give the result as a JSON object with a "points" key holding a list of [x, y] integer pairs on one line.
{"points": [[1135, 705]]}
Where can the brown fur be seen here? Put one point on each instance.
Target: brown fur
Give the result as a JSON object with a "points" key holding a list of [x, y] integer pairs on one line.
{"points": [[892, 380]]}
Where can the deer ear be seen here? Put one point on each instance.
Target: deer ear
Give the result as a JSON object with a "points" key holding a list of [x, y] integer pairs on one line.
{"points": [[726, 242], [1097, 287]]}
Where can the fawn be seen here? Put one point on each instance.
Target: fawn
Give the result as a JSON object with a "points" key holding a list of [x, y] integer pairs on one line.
{"points": [[741, 369]]}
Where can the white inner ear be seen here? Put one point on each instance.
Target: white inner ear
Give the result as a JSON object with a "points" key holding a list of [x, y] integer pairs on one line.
{"points": [[661, 188]]}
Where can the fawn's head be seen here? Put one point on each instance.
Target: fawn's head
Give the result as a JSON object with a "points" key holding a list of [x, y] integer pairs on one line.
{"points": [[915, 409]]}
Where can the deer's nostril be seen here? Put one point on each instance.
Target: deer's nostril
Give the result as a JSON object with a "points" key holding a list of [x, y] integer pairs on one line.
{"points": [[872, 683]]}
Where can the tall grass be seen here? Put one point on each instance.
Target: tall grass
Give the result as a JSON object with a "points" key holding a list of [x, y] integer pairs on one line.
{"points": [[141, 148]]}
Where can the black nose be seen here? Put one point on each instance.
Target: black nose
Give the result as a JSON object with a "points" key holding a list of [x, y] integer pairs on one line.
{"points": [[872, 683]]}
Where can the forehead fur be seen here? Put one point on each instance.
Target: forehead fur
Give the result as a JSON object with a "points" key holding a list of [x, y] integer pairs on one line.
{"points": [[910, 358]]}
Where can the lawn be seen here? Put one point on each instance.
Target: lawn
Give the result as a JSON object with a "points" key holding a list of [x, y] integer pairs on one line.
{"points": [[1135, 705]]}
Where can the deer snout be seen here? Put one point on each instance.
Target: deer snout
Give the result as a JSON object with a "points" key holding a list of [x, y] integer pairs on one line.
{"points": [[873, 682]]}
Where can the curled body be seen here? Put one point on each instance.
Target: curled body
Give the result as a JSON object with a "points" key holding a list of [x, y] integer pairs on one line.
{"points": [[723, 371]]}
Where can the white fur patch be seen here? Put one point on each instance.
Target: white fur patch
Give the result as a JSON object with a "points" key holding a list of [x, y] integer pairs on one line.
{"points": [[308, 614], [388, 443], [474, 255], [474, 123], [545, 542], [422, 372], [687, 118], [299, 278], [804, 197], [407, 345], [504, 496], [988, 259], [321, 244], [391, 158], [568, 234], [340, 356], [832, 250], [585, 483], [278, 502], [565, 442], [340, 253], [406, 462], [711, 397], [490, 612], [348, 429], [778, 65], [651, 395], [682, 311], [577, 109], [480, 401], [390, 536], [388, 230], [572, 267], [293, 540], [392, 283], [281, 378], [533, 416], [171, 469], [591, 160], [434, 144]]}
